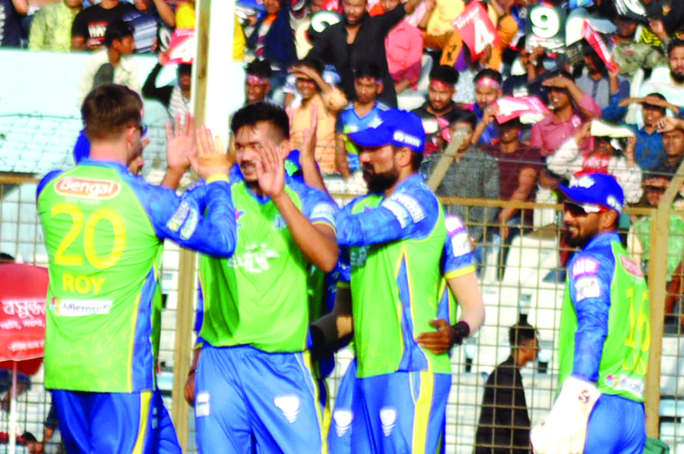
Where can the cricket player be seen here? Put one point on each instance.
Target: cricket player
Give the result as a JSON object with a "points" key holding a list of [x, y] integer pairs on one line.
{"points": [[104, 230], [605, 331]]}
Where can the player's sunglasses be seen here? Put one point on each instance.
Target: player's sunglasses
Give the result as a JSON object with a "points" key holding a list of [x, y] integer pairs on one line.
{"points": [[581, 210]]}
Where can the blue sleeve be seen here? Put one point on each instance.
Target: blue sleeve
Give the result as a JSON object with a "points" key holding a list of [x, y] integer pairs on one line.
{"points": [[317, 206], [614, 112], [182, 219], [591, 275], [400, 216], [458, 252], [46, 179]]}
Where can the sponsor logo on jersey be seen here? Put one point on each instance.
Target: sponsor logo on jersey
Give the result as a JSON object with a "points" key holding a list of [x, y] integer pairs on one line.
{"points": [[398, 211], [179, 216], [279, 222], [87, 188], [203, 404], [255, 258], [388, 419], [323, 212], [78, 308], [460, 243], [631, 266], [633, 386], [584, 266], [410, 204], [290, 405], [343, 419], [358, 256], [190, 224], [453, 224], [587, 287]]}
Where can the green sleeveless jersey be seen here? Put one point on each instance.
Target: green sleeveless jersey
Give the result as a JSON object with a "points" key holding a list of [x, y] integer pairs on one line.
{"points": [[259, 296], [603, 279], [396, 290]]}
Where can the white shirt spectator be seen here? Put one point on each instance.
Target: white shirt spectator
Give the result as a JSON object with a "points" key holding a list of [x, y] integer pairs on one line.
{"points": [[125, 73]]}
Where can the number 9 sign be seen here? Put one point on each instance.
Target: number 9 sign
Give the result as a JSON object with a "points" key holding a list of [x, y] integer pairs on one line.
{"points": [[545, 27]]}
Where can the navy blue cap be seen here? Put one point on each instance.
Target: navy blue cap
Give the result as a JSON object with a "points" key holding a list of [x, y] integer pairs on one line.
{"points": [[397, 127], [594, 190]]}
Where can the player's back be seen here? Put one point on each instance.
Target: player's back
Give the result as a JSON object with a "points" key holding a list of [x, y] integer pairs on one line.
{"points": [[103, 252]]}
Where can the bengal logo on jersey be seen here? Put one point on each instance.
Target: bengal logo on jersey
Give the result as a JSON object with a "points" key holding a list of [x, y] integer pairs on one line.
{"points": [[86, 188]]}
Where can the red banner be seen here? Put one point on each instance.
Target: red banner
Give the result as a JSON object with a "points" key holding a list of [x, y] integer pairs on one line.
{"points": [[476, 29], [182, 48], [596, 41], [22, 316], [510, 107]]}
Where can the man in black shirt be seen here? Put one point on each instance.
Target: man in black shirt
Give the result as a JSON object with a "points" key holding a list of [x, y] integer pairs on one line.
{"points": [[504, 425], [88, 29], [360, 39], [440, 110]]}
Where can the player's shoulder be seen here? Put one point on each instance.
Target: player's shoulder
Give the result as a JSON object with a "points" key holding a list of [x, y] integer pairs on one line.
{"points": [[49, 177], [593, 262], [416, 198], [382, 106]]}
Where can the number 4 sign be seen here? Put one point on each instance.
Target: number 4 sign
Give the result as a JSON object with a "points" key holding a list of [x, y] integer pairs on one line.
{"points": [[182, 47], [475, 28], [510, 107]]}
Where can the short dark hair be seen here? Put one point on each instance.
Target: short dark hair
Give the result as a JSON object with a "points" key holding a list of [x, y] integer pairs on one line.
{"points": [[521, 332], [117, 30], [110, 109], [465, 116], [444, 73], [676, 42], [260, 111], [512, 123], [489, 73], [313, 63], [6, 258], [372, 70], [259, 68], [184, 68]]}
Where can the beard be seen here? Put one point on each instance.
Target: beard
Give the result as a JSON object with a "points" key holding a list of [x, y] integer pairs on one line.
{"points": [[379, 182], [679, 78], [575, 240]]}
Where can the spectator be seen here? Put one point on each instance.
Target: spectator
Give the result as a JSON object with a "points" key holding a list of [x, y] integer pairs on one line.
{"points": [[598, 82], [88, 29], [472, 174], [669, 82], [305, 35], [504, 425], [359, 40], [257, 81], [673, 145], [273, 39], [362, 113], [113, 63], [440, 107], [628, 53], [146, 20], [10, 26], [323, 101], [51, 26], [607, 157], [530, 83], [488, 88], [404, 48], [519, 165], [570, 107], [176, 98], [185, 15]]}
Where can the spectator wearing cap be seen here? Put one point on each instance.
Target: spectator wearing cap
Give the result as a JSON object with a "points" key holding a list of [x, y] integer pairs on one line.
{"points": [[360, 39], [668, 81], [51, 26], [89, 26], [630, 54], [600, 83], [323, 101], [519, 166], [439, 111], [176, 98], [610, 155], [257, 81], [362, 113], [113, 64], [488, 88], [472, 174], [570, 108]]}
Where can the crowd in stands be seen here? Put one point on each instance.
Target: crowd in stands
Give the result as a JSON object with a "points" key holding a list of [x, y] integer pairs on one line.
{"points": [[337, 64]]}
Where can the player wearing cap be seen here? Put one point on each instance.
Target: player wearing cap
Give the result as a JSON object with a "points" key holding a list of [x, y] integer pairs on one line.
{"points": [[605, 332], [399, 251], [254, 391]]}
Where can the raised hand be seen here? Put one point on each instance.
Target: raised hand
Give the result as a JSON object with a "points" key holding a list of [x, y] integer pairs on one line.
{"points": [[308, 150], [180, 143], [211, 159], [270, 168]]}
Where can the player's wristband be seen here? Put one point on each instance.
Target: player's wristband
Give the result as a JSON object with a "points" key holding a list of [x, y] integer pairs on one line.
{"points": [[461, 331]]}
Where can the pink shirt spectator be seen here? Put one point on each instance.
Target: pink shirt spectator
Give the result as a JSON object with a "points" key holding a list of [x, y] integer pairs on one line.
{"points": [[548, 135], [404, 47]]}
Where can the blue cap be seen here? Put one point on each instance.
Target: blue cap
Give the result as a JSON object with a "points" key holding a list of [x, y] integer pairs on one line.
{"points": [[595, 190], [397, 127]]}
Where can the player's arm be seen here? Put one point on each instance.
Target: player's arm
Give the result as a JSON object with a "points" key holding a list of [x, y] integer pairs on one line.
{"points": [[459, 271], [400, 216], [315, 236]]}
